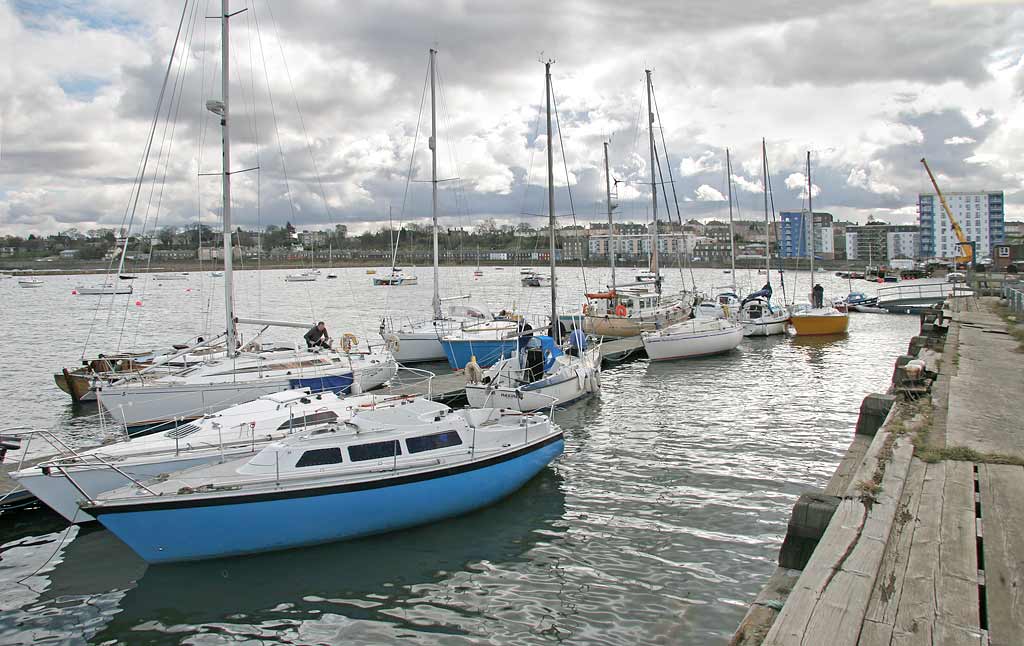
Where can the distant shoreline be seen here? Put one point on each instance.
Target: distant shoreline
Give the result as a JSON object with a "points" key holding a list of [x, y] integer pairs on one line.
{"points": [[33, 268]]}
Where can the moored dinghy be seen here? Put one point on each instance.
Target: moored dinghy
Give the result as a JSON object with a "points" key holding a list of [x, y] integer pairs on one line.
{"points": [[382, 470]]}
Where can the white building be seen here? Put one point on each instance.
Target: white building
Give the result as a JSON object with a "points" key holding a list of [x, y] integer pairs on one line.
{"points": [[901, 244], [979, 214], [640, 245]]}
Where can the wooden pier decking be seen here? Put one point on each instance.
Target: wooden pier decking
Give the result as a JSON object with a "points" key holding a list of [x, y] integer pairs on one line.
{"points": [[925, 543]]}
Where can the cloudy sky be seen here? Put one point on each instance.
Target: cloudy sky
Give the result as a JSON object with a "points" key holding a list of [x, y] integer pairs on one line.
{"points": [[326, 98]]}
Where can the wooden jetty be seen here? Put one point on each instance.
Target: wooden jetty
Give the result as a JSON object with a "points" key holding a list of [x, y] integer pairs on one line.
{"points": [[918, 537]]}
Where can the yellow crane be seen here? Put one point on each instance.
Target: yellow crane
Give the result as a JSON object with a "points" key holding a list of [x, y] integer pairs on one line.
{"points": [[966, 248]]}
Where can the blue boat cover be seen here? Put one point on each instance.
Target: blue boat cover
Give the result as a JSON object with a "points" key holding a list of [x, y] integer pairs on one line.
{"points": [[551, 350], [339, 384]]}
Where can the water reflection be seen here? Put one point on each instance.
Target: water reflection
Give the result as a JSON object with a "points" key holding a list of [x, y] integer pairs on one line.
{"points": [[363, 580]]}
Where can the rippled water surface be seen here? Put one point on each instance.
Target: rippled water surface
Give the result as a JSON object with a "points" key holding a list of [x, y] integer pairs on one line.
{"points": [[658, 525]]}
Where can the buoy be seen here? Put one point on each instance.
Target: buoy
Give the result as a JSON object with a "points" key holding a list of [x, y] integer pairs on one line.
{"points": [[188, 290], [74, 291], [138, 303]]}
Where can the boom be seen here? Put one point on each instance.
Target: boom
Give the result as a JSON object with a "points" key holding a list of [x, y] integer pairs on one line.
{"points": [[966, 248]]}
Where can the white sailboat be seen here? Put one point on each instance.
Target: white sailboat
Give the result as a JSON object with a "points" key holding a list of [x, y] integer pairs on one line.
{"points": [[420, 341], [757, 314], [142, 403], [690, 338], [535, 378], [73, 477]]}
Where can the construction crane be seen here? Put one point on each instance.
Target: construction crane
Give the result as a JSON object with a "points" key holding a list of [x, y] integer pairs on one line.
{"points": [[966, 248]]}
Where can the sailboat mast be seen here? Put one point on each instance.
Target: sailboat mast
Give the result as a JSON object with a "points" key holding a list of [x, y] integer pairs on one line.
{"points": [[433, 183], [810, 210], [732, 236], [767, 225], [551, 207], [229, 313], [611, 224], [654, 189]]}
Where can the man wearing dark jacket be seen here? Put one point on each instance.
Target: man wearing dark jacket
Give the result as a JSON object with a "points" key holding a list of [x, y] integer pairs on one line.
{"points": [[317, 336]]}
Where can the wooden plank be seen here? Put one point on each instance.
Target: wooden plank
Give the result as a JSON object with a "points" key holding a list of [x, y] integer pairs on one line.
{"points": [[939, 602], [843, 475], [843, 604], [830, 600], [865, 472], [1002, 518], [842, 532], [888, 589], [765, 608]]}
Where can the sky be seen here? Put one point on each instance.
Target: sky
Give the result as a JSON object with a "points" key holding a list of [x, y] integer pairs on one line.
{"points": [[329, 109]]}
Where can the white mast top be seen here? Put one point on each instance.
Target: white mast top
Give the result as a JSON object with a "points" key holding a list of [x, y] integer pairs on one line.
{"points": [[221, 108], [436, 302], [551, 208], [654, 190], [611, 224], [810, 210], [732, 236]]}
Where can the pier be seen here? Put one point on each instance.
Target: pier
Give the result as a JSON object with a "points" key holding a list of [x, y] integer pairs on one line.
{"points": [[917, 538]]}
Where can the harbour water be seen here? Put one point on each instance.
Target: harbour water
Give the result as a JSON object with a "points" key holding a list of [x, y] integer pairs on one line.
{"points": [[659, 524]]}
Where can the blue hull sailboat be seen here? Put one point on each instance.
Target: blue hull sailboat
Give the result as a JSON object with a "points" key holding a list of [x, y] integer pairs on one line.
{"points": [[383, 470]]}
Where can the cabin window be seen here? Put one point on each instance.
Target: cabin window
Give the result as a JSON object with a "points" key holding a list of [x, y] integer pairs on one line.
{"points": [[320, 457], [431, 442], [373, 451], [322, 417]]}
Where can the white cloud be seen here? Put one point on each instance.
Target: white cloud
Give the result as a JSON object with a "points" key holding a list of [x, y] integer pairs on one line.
{"points": [[706, 162], [954, 141], [798, 181], [705, 193]]}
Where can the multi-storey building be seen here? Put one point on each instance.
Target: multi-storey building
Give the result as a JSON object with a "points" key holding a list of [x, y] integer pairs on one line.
{"points": [[878, 242], [795, 237], [979, 214]]}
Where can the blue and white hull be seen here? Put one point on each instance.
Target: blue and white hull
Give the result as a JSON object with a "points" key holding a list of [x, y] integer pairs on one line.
{"points": [[164, 529]]}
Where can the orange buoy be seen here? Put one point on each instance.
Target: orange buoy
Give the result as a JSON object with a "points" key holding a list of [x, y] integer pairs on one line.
{"points": [[620, 310]]}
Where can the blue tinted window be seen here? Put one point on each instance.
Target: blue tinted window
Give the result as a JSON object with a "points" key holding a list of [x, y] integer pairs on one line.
{"points": [[374, 451], [435, 441]]}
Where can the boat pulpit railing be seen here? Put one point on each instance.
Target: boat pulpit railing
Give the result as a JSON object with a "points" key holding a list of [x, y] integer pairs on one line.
{"points": [[413, 386]]}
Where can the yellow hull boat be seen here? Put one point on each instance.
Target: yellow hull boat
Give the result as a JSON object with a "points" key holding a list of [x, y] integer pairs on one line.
{"points": [[819, 322]]}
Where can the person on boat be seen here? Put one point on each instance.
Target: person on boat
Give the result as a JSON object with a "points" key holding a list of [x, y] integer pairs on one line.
{"points": [[317, 336], [818, 296], [534, 361], [577, 343]]}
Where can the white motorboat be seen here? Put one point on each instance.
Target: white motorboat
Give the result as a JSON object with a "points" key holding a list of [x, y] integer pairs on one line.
{"points": [[694, 338], [30, 282], [301, 277], [216, 274], [537, 378], [397, 278], [535, 279], [647, 277], [104, 289], [331, 275], [143, 404], [382, 470], [73, 477]]}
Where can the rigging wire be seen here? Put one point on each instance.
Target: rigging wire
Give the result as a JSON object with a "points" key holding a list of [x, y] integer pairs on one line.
{"points": [[140, 173], [568, 185]]}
